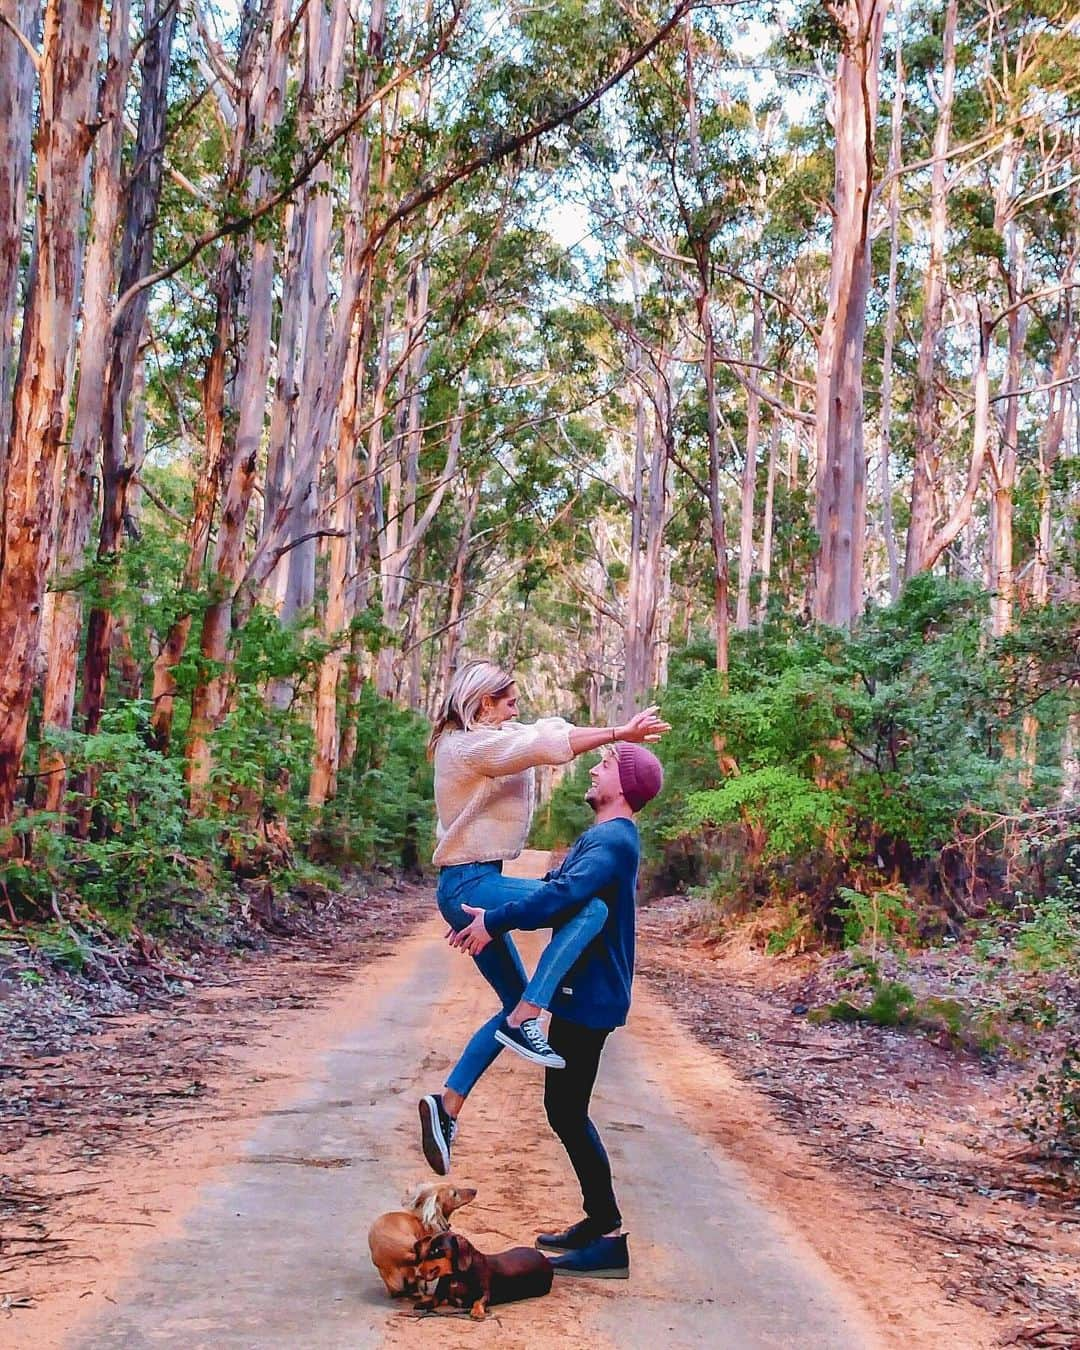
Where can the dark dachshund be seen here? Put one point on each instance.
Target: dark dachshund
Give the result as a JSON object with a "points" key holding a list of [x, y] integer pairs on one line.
{"points": [[466, 1278]]}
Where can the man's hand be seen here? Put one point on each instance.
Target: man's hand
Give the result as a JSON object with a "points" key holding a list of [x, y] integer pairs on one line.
{"points": [[473, 938]]}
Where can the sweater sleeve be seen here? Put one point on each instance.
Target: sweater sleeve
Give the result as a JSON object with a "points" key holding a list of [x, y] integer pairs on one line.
{"points": [[592, 868], [514, 747]]}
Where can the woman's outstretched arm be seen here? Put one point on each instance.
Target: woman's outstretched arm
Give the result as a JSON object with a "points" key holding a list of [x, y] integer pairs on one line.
{"points": [[646, 725]]}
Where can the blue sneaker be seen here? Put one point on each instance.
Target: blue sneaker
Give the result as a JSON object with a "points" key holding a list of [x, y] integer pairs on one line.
{"points": [[608, 1258], [530, 1043]]}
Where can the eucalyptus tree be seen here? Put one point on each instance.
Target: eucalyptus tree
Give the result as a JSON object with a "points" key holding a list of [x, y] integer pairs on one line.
{"points": [[34, 455], [858, 27]]}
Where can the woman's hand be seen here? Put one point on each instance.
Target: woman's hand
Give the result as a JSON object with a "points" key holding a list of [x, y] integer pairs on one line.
{"points": [[474, 937], [646, 725]]}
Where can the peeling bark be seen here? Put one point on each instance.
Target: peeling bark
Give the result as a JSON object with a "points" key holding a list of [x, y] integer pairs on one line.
{"points": [[76, 507], [67, 85], [841, 458], [17, 79]]}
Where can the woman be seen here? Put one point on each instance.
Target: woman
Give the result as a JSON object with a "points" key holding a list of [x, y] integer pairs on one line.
{"points": [[484, 796]]}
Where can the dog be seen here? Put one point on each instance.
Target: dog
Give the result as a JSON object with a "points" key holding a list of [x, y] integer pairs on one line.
{"points": [[393, 1237], [454, 1272]]}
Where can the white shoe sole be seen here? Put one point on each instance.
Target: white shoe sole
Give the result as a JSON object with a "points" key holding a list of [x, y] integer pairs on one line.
{"points": [[552, 1061]]}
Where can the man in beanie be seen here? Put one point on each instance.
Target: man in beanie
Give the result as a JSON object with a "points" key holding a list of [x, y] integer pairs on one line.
{"points": [[595, 997]]}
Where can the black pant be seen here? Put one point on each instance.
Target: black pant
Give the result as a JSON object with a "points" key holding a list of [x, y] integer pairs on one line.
{"points": [[566, 1099]]}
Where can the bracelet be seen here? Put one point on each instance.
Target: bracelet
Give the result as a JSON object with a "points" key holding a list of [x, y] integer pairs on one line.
{"points": [[614, 738]]}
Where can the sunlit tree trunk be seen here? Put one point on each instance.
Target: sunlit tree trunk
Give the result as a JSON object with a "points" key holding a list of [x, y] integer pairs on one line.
{"points": [[216, 414], [240, 446], [925, 486], [767, 523], [341, 551], [118, 469], [749, 478], [892, 314], [455, 602], [65, 132], [982, 328], [17, 77], [1003, 465], [841, 459], [648, 507], [717, 526], [76, 506], [634, 641]]}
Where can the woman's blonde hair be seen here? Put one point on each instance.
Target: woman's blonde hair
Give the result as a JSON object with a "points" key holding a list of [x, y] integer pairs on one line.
{"points": [[468, 689]]}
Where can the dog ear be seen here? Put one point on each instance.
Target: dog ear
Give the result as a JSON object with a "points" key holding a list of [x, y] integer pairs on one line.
{"points": [[430, 1212], [462, 1253], [418, 1250]]}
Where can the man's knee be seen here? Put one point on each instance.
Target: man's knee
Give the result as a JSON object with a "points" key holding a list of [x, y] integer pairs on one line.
{"points": [[564, 1117]]}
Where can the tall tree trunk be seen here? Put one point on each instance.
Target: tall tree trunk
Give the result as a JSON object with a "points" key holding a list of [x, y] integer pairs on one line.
{"points": [[891, 314], [218, 456], [634, 641], [136, 260], [749, 478], [240, 448], [455, 601], [76, 507], [767, 525], [717, 526], [841, 459], [982, 328], [65, 132], [17, 78], [925, 487], [280, 530], [305, 307], [1003, 466], [340, 594]]}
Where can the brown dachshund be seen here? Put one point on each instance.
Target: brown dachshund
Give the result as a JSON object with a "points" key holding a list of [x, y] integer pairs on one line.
{"points": [[393, 1237], [466, 1278]]}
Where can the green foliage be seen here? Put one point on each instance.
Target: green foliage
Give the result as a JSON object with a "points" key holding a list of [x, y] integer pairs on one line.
{"points": [[1050, 939], [384, 810], [854, 760], [891, 1003], [782, 939], [141, 836], [791, 810], [873, 920], [1052, 1107], [564, 815], [890, 1006], [1052, 1115]]}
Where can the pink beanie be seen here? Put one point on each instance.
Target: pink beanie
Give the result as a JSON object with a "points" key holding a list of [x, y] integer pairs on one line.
{"points": [[641, 775]]}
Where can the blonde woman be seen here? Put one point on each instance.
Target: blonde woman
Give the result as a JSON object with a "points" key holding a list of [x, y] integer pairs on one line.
{"points": [[484, 798]]}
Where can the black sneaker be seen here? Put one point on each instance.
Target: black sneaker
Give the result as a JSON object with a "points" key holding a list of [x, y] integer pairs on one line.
{"points": [[608, 1258], [572, 1239], [437, 1130], [530, 1043]]}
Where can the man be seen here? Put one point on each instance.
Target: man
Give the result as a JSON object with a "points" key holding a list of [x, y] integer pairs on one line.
{"points": [[595, 997]]}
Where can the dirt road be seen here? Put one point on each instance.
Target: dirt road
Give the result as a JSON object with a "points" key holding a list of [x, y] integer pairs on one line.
{"points": [[263, 1244]]}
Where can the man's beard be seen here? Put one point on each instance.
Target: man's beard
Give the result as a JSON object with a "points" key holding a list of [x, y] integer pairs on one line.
{"points": [[590, 799]]}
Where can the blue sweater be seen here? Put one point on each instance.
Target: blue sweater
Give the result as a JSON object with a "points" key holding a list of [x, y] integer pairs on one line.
{"points": [[604, 863]]}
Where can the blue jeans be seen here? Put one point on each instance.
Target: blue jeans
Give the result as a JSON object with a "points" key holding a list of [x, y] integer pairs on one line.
{"points": [[484, 886]]}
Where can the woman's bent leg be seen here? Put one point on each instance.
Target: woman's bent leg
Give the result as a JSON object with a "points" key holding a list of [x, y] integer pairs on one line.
{"points": [[562, 951], [500, 965]]}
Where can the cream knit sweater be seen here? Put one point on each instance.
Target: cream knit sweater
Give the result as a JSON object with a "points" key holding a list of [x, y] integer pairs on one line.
{"points": [[485, 789]]}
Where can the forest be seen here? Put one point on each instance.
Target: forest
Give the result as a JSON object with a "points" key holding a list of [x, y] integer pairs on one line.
{"points": [[723, 354]]}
